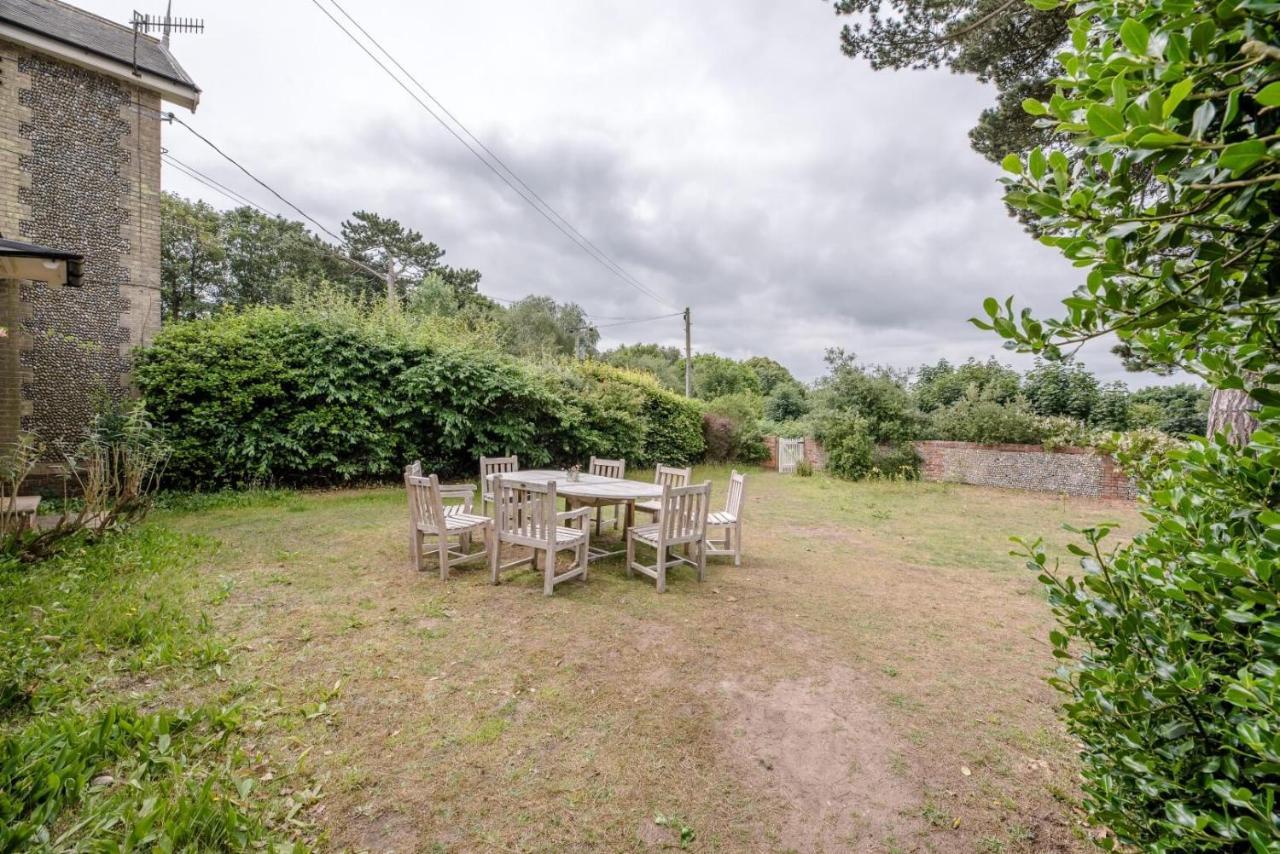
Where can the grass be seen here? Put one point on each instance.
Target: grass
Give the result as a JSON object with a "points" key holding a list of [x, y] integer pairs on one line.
{"points": [[877, 644]]}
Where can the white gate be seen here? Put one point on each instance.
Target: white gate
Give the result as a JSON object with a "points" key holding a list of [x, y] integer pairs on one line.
{"points": [[790, 452]]}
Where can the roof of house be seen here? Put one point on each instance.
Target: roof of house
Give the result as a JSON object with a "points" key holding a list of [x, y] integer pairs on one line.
{"points": [[74, 27]]}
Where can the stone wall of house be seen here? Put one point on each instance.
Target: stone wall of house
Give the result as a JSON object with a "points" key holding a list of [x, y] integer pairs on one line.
{"points": [[80, 163], [1070, 471]]}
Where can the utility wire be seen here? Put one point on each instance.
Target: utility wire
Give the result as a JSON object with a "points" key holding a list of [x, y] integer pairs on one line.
{"points": [[614, 267], [523, 190], [213, 184], [341, 243]]}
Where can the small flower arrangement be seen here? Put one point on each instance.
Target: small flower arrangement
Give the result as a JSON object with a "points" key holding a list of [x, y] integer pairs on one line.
{"points": [[574, 473]]}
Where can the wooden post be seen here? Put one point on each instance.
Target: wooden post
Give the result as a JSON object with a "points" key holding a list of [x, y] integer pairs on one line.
{"points": [[688, 353], [391, 282]]}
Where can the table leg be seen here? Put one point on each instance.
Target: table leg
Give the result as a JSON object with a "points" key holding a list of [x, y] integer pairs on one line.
{"points": [[629, 517]]}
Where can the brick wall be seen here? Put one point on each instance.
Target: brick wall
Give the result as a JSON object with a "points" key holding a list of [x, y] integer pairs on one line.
{"points": [[80, 163], [1070, 471]]}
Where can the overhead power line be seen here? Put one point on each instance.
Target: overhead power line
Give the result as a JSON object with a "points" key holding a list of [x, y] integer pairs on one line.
{"points": [[484, 154]]}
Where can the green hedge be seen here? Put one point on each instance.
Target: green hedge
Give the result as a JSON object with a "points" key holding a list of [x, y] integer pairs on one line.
{"points": [[292, 396]]}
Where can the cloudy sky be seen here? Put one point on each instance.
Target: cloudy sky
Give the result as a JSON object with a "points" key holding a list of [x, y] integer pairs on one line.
{"points": [[726, 154]]}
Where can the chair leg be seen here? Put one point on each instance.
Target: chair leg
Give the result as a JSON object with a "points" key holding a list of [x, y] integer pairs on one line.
{"points": [[415, 549], [631, 554], [549, 573], [662, 569], [702, 559], [442, 545], [584, 559], [599, 520], [737, 545], [491, 547]]}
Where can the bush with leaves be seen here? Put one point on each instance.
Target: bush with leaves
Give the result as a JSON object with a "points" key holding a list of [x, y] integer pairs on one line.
{"points": [[974, 418], [1173, 206], [313, 395], [849, 445], [1170, 646]]}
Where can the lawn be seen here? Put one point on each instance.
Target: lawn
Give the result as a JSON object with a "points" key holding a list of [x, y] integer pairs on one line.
{"points": [[871, 678]]}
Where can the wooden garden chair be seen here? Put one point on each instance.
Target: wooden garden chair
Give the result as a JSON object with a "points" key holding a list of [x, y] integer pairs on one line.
{"points": [[489, 466], [608, 468], [728, 521], [527, 515], [665, 476], [429, 517], [681, 521]]}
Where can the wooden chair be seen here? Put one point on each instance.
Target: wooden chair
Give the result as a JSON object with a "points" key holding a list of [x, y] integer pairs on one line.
{"points": [[665, 476], [608, 468], [682, 520], [729, 521], [490, 466], [428, 516], [527, 515]]}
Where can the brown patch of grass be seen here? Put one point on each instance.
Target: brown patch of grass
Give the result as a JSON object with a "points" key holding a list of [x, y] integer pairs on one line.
{"points": [[827, 695]]}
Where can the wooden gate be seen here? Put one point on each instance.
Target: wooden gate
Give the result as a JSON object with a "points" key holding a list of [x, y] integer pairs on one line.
{"points": [[790, 452]]}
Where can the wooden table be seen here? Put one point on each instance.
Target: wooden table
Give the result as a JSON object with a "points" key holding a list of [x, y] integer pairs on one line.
{"points": [[591, 490]]}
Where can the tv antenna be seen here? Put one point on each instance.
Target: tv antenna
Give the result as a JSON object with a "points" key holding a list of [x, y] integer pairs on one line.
{"points": [[166, 24]]}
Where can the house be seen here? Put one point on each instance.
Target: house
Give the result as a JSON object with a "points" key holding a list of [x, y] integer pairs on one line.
{"points": [[80, 102]]}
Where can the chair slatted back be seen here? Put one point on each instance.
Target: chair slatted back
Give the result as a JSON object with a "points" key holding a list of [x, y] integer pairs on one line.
{"points": [[426, 507], [489, 466], [733, 501], [672, 476], [608, 468], [682, 515], [525, 513]]}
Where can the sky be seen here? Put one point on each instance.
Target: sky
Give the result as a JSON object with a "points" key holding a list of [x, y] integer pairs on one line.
{"points": [[727, 155]]}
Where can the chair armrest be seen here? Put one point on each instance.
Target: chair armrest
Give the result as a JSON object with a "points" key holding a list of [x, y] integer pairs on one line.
{"points": [[581, 513], [465, 491]]}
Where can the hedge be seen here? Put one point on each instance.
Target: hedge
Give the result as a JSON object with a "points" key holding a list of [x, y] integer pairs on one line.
{"points": [[274, 395]]}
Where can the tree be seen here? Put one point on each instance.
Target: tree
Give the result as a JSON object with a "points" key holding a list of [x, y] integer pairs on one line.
{"points": [[877, 395], [1167, 646], [1058, 389], [441, 296], [715, 376], [386, 245], [771, 374], [787, 403], [942, 384], [540, 328], [1005, 42], [665, 363], [191, 257], [1180, 409], [266, 255], [1111, 409]]}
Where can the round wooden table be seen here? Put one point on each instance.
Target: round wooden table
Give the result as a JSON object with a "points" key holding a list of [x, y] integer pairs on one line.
{"points": [[591, 490]]}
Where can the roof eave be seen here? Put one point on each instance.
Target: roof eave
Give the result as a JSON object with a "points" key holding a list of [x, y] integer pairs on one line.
{"points": [[173, 91]]}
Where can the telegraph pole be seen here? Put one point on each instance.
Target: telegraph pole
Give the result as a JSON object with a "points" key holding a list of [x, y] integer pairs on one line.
{"points": [[688, 353]]}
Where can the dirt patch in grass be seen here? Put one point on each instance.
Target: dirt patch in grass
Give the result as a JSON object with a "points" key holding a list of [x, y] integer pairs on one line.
{"points": [[823, 748]]}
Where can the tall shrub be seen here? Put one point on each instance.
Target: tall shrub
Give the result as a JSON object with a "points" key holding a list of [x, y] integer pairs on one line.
{"points": [[311, 395], [1170, 645]]}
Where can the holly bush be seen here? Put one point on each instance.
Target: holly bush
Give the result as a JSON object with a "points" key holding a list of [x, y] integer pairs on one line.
{"points": [[1163, 185], [298, 396]]}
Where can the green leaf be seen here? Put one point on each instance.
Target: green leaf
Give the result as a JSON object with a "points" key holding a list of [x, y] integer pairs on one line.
{"points": [[1036, 163], [1105, 120], [1033, 107], [1269, 96], [1242, 155], [1135, 37], [1177, 94], [1012, 163]]}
